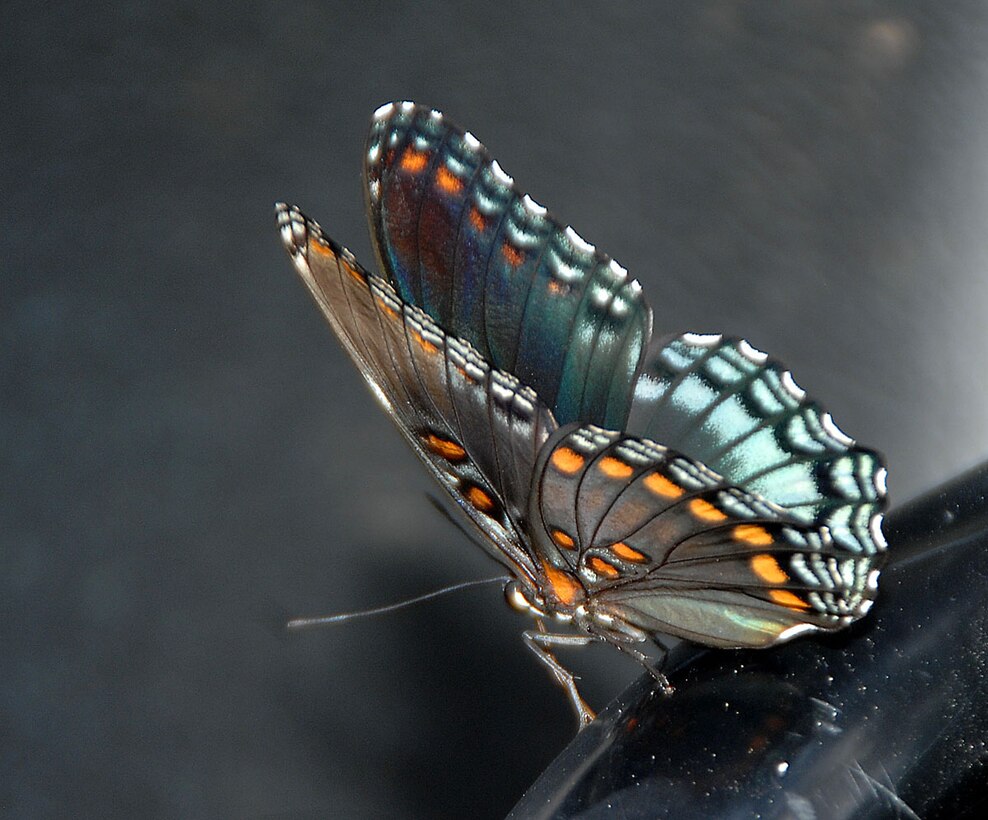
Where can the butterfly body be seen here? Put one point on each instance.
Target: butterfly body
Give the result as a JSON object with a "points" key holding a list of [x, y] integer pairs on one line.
{"points": [[511, 354]]}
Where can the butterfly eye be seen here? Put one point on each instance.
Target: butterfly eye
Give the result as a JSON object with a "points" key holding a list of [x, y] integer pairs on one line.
{"points": [[518, 600]]}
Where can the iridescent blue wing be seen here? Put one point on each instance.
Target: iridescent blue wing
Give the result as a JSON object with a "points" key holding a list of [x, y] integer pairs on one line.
{"points": [[477, 429], [663, 543], [742, 414], [494, 268]]}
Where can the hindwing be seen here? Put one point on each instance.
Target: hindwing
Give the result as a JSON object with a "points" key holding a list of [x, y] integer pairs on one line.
{"points": [[742, 414], [666, 544]]}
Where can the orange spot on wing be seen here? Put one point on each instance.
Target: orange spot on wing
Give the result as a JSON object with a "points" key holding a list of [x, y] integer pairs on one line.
{"points": [[445, 448], [390, 311], [706, 511], [513, 256], [622, 550], [565, 587], [479, 499], [322, 248], [787, 599], [660, 485], [601, 567], [614, 467], [566, 460], [768, 569], [477, 220], [446, 180], [413, 161], [352, 271], [562, 539], [424, 343], [753, 534]]}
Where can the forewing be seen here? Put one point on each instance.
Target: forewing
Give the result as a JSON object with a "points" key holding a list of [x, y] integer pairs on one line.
{"points": [[494, 268], [741, 413], [669, 546], [477, 429]]}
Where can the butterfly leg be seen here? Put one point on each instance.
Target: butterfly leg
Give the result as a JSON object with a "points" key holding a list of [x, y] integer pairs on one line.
{"points": [[660, 678], [540, 642]]}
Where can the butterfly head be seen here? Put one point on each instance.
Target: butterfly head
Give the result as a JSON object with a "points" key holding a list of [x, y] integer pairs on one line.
{"points": [[561, 598], [564, 599], [522, 599]]}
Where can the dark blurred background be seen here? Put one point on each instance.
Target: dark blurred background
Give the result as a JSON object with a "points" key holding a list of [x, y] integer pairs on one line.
{"points": [[189, 459]]}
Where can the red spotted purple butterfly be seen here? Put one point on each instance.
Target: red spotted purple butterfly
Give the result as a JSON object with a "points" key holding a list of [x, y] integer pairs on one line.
{"points": [[511, 354]]}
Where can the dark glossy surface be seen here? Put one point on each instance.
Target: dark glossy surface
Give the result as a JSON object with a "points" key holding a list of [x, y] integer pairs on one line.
{"points": [[188, 459], [887, 720]]}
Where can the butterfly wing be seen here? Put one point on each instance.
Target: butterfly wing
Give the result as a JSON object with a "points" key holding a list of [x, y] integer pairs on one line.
{"points": [[663, 543], [477, 429], [741, 413], [495, 269]]}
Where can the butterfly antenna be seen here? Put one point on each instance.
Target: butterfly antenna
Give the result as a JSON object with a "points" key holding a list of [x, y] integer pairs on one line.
{"points": [[304, 623]]}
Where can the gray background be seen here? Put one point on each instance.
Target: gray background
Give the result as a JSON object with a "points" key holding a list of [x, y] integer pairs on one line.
{"points": [[189, 459]]}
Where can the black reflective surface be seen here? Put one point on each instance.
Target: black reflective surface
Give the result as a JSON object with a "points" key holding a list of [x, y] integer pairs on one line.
{"points": [[889, 719]]}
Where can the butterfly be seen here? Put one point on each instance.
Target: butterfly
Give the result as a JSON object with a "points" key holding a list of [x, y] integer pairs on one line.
{"points": [[516, 359]]}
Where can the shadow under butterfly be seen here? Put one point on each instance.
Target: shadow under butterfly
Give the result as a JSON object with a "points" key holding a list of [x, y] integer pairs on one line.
{"points": [[632, 487]]}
